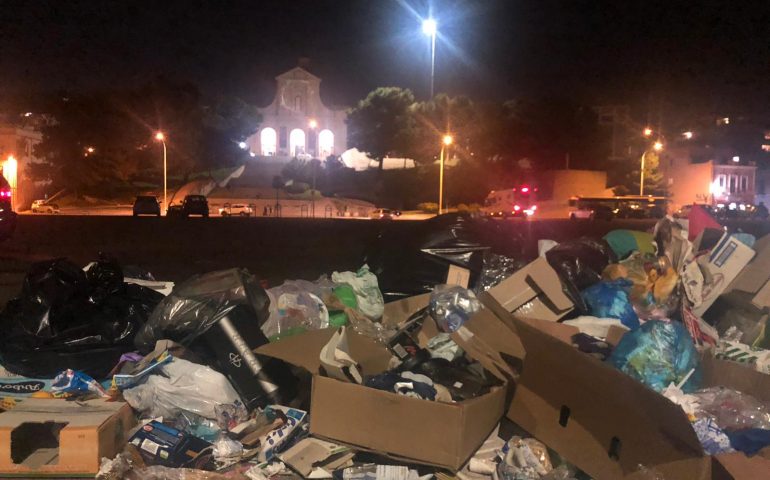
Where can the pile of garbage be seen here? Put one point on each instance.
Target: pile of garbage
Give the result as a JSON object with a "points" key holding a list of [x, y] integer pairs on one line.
{"points": [[640, 354]]}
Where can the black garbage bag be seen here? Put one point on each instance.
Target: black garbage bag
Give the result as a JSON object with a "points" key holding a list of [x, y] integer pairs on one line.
{"points": [[67, 318], [579, 264], [410, 259], [198, 303]]}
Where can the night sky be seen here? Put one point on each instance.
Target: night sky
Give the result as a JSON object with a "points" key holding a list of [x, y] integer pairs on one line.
{"points": [[703, 56]]}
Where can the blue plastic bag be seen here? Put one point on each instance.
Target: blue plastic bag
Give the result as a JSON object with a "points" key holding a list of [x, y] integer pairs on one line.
{"points": [[658, 353], [609, 299]]}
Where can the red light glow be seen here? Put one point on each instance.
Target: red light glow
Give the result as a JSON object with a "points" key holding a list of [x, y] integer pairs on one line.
{"points": [[524, 189], [516, 207]]}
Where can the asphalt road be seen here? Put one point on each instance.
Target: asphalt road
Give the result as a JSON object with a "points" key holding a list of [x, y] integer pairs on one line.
{"points": [[273, 249]]}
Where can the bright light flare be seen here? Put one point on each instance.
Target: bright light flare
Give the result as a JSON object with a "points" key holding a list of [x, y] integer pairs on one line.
{"points": [[10, 169], [447, 139], [160, 136], [647, 132], [736, 159], [242, 145], [687, 135], [90, 149], [312, 123], [429, 27], [657, 146]]}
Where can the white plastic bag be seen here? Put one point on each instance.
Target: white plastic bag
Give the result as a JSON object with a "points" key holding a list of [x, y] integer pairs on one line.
{"points": [[367, 290], [181, 385]]}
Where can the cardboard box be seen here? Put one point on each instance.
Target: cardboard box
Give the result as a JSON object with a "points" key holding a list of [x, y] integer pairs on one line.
{"points": [[720, 268], [755, 277], [434, 433], [534, 291], [163, 445], [607, 423], [56, 438]]}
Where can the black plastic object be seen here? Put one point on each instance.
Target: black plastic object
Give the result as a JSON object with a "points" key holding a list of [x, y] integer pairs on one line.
{"points": [[462, 383], [579, 264], [410, 259], [65, 318], [228, 346], [200, 302]]}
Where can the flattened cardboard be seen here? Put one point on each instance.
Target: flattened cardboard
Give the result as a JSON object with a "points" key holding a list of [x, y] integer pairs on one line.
{"points": [[538, 286], [607, 423], [723, 265], [754, 277], [588, 411], [93, 430]]}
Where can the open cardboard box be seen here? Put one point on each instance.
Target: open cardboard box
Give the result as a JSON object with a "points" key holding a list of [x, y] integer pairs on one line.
{"points": [[607, 423], [421, 431], [57, 438], [440, 434]]}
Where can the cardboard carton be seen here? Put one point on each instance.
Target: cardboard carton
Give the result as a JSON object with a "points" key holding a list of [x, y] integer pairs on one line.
{"points": [[607, 423], [720, 268], [56, 438], [421, 431], [755, 277]]}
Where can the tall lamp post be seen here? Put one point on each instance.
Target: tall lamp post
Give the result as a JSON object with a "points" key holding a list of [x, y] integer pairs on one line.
{"points": [[313, 125], [429, 28], [159, 136], [445, 142]]}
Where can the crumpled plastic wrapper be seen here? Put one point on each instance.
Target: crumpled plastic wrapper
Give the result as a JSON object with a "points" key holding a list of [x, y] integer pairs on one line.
{"points": [[733, 410], [451, 306], [524, 459], [495, 269]]}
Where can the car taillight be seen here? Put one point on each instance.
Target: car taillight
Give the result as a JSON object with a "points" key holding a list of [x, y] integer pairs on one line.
{"points": [[534, 207], [5, 193], [516, 207]]}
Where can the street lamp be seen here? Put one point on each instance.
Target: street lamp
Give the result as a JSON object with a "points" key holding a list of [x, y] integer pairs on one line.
{"points": [[313, 124], [446, 141], [159, 136], [647, 132], [657, 146], [242, 145], [429, 28]]}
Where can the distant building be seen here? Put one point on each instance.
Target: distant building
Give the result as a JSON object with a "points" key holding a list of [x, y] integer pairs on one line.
{"points": [[723, 178], [297, 123], [17, 142]]}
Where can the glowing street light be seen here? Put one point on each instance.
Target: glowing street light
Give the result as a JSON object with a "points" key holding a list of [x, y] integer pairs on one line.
{"points": [[446, 141], [159, 136], [687, 135], [657, 146], [312, 123], [647, 132], [90, 150], [430, 28], [242, 145]]}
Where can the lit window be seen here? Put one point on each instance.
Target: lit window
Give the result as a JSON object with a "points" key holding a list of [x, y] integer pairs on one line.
{"points": [[267, 141], [325, 143]]}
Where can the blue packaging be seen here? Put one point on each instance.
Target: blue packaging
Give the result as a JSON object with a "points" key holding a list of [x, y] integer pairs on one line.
{"points": [[166, 446]]}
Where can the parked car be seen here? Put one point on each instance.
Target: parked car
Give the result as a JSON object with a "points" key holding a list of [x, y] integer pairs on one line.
{"points": [[195, 205], [240, 209], [592, 212], [146, 205], [42, 206], [381, 214], [174, 210], [684, 211]]}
